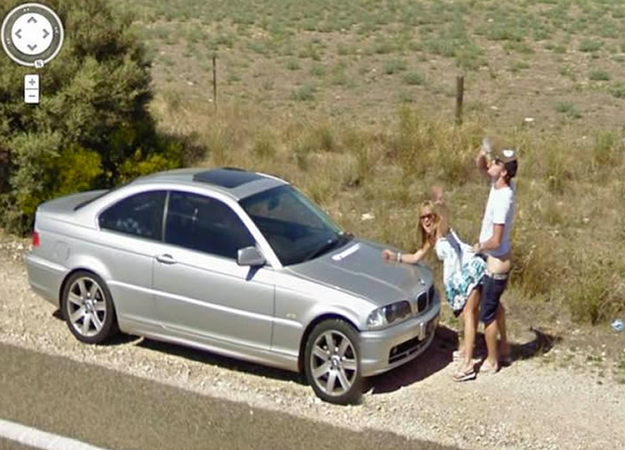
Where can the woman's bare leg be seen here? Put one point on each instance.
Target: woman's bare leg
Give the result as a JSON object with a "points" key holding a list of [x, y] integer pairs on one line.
{"points": [[470, 327]]}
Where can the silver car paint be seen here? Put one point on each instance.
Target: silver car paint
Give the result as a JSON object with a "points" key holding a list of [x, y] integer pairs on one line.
{"points": [[275, 305]]}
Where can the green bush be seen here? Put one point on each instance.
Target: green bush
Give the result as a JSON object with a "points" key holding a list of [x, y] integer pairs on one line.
{"points": [[144, 163], [590, 45], [304, 93], [618, 89], [92, 128], [414, 78], [599, 75], [569, 109]]}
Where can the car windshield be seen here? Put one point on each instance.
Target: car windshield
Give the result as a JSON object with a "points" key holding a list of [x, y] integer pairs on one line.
{"points": [[296, 228]]}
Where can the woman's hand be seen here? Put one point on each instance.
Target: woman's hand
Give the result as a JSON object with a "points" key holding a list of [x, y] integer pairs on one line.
{"points": [[437, 195], [389, 255]]}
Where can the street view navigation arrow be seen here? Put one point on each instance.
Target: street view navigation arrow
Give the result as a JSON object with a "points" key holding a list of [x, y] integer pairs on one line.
{"points": [[32, 34]]}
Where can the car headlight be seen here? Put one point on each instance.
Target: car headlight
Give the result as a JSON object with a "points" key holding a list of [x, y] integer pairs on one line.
{"points": [[389, 314]]}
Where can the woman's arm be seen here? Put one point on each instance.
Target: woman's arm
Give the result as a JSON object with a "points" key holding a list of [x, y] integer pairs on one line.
{"points": [[439, 200], [409, 258]]}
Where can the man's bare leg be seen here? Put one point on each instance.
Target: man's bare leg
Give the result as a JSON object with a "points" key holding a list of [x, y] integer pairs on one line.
{"points": [[490, 333], [500, 318]]}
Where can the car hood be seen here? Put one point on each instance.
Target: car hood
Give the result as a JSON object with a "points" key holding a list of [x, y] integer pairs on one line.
{"points": [[359, 269]]}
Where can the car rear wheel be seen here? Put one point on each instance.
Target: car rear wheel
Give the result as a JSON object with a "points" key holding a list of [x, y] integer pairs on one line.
{"points": [[87, 307], [332, 362]]}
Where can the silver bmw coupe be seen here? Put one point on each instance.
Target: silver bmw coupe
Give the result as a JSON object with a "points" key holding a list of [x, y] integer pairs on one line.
{"points": [[237, 263]]}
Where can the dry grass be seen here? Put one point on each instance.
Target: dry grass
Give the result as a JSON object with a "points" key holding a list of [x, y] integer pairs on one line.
{"points": [[521, 57], [355, 108], [568, 233]]}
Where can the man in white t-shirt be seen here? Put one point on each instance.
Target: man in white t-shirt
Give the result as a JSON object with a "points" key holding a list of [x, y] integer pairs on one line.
{"points": [[495, 242]]}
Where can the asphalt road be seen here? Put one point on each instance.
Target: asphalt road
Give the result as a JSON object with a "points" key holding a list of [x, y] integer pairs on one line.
{"points": [[5, 444], [115, 411]]}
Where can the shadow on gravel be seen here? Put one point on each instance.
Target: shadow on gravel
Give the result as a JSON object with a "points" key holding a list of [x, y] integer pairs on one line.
{"points": [[540, 345], [206, 357], [434, 359], [202, 356], [439, 356]]}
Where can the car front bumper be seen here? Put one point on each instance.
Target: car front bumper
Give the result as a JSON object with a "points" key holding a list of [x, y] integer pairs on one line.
{"points": [[386, 349]]}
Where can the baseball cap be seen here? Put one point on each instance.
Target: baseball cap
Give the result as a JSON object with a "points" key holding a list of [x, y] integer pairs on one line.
{"points": [[505, 155], [508, 157]]}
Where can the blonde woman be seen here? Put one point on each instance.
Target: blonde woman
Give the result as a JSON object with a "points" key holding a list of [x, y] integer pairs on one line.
{"points": [[462, 271]]}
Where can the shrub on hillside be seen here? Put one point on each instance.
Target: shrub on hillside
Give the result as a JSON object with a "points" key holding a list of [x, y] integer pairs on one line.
{"points": [[92, 123]]}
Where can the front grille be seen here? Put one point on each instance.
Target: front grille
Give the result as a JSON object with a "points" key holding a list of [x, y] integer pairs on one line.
{"points": [[413, 345], [422, 302], [406, 349]]}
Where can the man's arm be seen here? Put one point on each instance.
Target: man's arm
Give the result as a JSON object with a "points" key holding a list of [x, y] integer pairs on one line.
{"points": [[481, 163], [492, 243]]}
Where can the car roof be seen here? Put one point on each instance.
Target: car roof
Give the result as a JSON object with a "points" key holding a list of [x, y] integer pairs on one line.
{"points": [[237, 183]]}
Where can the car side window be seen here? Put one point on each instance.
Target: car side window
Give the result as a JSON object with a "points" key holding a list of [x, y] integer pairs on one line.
{"points": [[139, 215], [205, 224]]}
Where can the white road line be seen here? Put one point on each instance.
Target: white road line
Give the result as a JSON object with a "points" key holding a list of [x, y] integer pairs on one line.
{"points": [[40, 439]]}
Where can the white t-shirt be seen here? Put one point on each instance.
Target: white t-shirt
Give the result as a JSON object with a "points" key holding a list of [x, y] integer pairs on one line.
{"points": [[499, 210]]}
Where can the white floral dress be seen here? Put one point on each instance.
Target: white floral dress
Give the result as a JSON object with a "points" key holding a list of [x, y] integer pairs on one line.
{"points": [[462, 271]]}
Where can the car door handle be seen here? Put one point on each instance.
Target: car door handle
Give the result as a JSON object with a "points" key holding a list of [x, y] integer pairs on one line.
{"points": [[166, 259]]}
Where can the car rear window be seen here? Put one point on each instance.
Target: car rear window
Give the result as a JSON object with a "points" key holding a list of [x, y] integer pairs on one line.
{"points": [[138, 215]]}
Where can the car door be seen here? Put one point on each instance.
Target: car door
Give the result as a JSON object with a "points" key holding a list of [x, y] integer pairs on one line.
{"points": [[201, 290], [130, 235]]}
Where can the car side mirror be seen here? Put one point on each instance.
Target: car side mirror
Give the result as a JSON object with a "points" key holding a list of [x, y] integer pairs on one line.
{"points": [[250, 256]]}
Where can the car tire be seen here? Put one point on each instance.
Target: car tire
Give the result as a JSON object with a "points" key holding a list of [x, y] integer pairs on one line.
{"points": [[332, 362], [87, 306]]}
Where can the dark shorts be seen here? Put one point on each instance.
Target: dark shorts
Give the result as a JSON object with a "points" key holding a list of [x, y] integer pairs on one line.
{"points": [[491, 294]]}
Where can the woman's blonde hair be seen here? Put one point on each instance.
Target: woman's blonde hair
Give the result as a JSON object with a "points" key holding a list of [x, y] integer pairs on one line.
{"points": [[435, 210]]}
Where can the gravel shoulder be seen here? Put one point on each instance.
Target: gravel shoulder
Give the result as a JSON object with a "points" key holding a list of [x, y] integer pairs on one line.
{"points": [[552, 400]]}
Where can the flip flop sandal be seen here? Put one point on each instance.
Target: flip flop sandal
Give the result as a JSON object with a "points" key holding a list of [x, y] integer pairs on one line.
{"points": [[487, 369], [464, 375]]}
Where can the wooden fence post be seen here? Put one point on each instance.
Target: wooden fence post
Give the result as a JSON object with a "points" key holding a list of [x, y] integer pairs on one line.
{"points": [[215, 80], [459, 98]]}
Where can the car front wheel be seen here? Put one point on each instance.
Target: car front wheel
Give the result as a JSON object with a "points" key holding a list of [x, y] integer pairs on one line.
{"points": [[332, 362], [87, 307]]}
